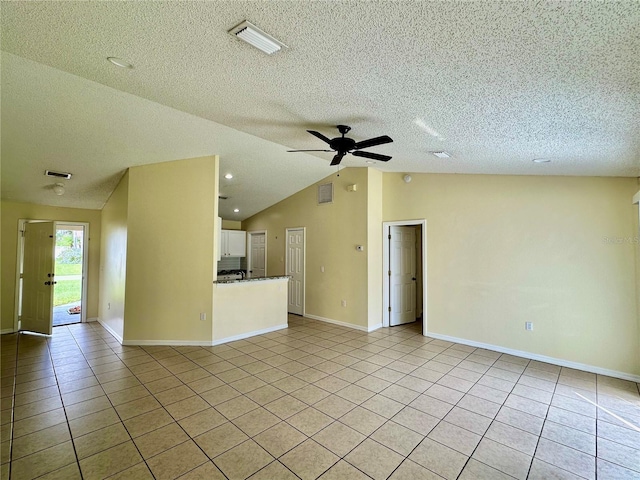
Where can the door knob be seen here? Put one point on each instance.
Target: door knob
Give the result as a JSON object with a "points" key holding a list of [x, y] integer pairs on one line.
{"points": [[47, 283], [414, 279]]}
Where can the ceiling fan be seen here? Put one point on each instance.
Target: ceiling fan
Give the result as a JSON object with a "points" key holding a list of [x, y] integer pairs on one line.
{"points": [[343, 145]]}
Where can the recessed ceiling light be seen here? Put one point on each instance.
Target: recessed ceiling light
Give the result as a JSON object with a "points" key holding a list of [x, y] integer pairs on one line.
{"points": [[228, 176], [236, 210], [254, 36], [118, 62], [441, 154], [541, 160]]}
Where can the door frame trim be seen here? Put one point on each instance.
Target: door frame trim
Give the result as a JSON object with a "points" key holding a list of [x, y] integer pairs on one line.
{"points": [[386, 262], [304, 263], [19, 260], [249, 235]]}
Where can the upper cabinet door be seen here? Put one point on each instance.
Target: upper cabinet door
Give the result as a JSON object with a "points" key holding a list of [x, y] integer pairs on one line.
{"points": [[237, 243]]}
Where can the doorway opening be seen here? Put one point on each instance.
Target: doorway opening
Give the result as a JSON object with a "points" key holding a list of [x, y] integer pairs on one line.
{"points": [[51, 274], [405, 273]]}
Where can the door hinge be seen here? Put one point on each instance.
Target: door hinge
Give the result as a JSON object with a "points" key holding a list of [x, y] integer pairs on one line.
{"points": [[389, 309], [22, 232], [50, 236], [389, 237], [389, 273]]}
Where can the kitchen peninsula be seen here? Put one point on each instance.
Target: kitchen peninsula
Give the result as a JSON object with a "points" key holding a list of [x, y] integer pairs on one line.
{"points": [[246, 307]]}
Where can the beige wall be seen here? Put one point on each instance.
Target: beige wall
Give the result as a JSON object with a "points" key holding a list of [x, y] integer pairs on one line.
{"points": [[374, 247], [170, 248], [231, 225], [246, 307], [11, 213], [113, 258], [332, 233], [503, 250]]}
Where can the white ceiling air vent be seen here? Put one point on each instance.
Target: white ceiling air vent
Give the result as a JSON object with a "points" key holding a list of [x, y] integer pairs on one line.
{"points": [[254, 36], [50, 173], [325, 193]]}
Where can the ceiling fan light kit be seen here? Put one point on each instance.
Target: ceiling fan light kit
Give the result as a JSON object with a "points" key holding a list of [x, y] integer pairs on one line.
{"points": [[343, 145]]}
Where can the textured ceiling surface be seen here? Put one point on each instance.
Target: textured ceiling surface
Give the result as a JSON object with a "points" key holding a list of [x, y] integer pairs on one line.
{"points": [[496, 84]]}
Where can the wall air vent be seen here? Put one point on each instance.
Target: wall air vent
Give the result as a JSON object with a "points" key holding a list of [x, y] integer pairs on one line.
{"points": [[50, 173], [325, 193]]}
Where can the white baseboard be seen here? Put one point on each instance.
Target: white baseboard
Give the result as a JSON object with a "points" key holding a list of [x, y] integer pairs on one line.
{"points": [[248, 334], [6, 330], [338, 322], [110, 330], [91, 319], [168, 343], [541, 358], [375, 327]]}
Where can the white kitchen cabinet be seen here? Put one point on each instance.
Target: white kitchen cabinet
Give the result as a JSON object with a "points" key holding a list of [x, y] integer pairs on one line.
{"points": [[233, 243]]}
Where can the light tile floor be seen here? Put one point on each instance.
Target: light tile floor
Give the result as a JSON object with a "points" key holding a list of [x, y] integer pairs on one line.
{"points": [[311, 401]]}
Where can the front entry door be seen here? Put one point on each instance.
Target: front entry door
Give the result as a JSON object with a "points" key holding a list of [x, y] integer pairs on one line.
{"points": [[402, 263], [295, 268], [37, 278]]}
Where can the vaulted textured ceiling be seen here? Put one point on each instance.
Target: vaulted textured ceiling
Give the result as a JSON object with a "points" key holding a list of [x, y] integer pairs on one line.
{"points": [[496, 84]]}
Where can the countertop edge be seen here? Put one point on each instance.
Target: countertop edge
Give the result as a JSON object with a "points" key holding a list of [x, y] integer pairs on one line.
{"points": [[246, 280]]}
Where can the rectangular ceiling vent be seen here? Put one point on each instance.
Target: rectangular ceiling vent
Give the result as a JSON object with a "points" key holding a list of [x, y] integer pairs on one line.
{"points": [[50, 173], [254, 36], [325, 193]]}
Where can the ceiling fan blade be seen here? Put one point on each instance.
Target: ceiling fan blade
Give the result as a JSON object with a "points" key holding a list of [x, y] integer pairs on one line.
{"points": [[309, 150], [337, 159], [372, 142], [372, 156], [320, 136]]}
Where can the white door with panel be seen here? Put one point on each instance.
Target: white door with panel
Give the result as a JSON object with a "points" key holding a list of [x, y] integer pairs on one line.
{"points": [[295, 268], [257, 255], [402, 265], [37, 278]]}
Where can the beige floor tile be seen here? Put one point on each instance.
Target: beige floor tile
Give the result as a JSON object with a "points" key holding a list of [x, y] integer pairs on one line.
{"points": [[206, 471], [127, 395], [40, 440], [570, 437], [334, 406], [567, 458], [432, 406], [140, 471], [266, 394], [43, 462], [110, 461], [243, 460], [355, 394], [99, 440], [415, 420], [362, 420], [339, 438], [220, 439], [219, 395], [522, 441], [70, 472], [286, 406], [279, 439], [205, 384], [256, 421], [202, 422], [503, 458], [374, 459], [38, 422], [521, 420], [173, 395], [438, 458], [409, 470], [542, 471], [35, 395], [147, 422], [309, 421], [343, 471], [236, 407], [187, 407], [383, 406], [455, 437], [87, 407], [36, 408], [177, 461], [400, 394], [475, 470], [309, 460], [275, 470], [137, 407], [157, 441], [398, 438]]}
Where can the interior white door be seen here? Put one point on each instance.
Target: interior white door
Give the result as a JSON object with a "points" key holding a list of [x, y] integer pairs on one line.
{"points": [[37, 278], [402, 264], [258, 255], [295, 268]]}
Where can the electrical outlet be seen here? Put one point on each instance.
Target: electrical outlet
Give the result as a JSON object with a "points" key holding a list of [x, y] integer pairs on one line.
{"points": [[344, 303], [203, 316], [322, 268], [528, 326]]}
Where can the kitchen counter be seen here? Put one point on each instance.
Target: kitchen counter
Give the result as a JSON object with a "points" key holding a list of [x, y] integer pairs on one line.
{"points": [[253, 306], [256, 279]]}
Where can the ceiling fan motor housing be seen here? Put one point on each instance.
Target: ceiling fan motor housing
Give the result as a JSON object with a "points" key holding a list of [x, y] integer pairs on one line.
{"points": [[342, 144]]}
